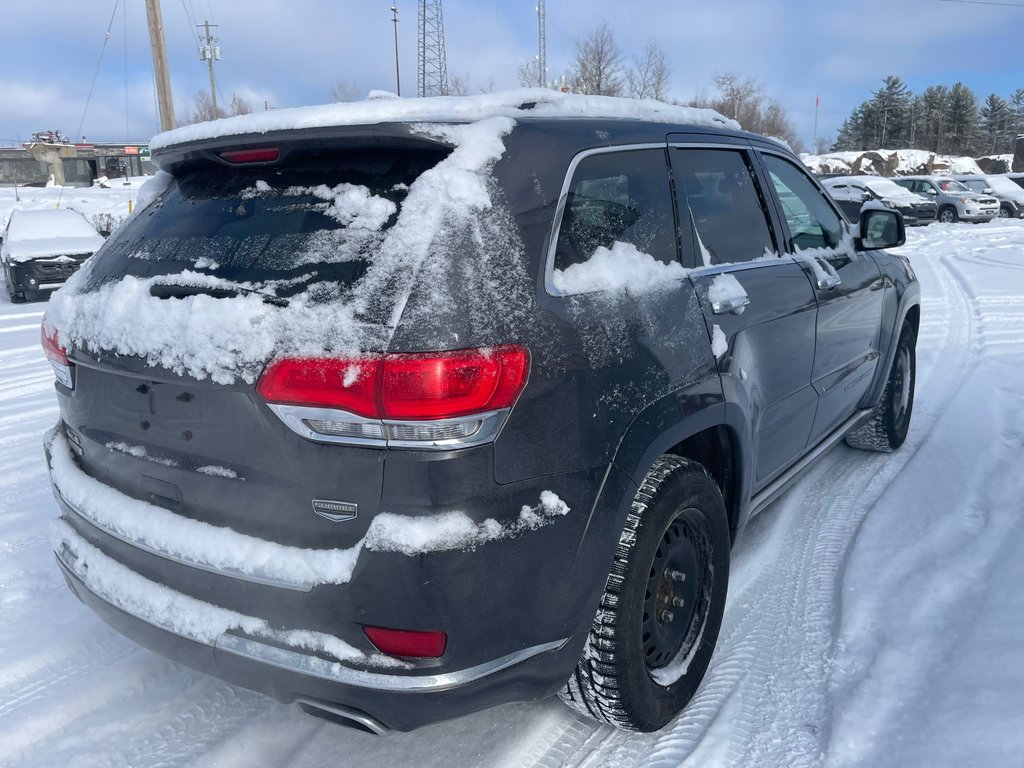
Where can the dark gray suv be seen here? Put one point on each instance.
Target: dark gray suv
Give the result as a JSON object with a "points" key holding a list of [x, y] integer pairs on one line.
{"points": [[400, 417]]}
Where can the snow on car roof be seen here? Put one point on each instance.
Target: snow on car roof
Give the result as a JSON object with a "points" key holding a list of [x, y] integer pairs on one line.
{"points": [[383, 107], [40, 225]]}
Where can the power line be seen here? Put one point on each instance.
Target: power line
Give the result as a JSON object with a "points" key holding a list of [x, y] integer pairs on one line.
{"points": [[106, 39], [985, 2]]}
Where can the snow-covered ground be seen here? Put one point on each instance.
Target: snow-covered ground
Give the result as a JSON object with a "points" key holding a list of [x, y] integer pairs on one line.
{"points": [[875, 617]]}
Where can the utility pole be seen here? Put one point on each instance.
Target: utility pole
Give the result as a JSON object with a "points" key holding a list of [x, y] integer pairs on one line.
{"points": [[163, 78], [542, 45], [209, 52], [398, 77]]}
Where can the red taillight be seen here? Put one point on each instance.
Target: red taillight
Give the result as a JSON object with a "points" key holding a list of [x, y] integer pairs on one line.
{"points": [[51, 347], [415, 387], [249, 156], [348, 384], [402, 642]]}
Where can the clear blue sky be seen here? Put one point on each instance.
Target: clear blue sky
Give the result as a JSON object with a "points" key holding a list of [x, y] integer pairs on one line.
{"points": [[290, 53]]}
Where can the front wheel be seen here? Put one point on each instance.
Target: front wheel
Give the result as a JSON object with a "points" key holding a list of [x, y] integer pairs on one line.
{"points": [[1005, 212], [659, 617], [948, 215], [890, 420]]}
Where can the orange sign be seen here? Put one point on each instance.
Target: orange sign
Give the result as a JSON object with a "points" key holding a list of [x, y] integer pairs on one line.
{"points": [[131, 150]]}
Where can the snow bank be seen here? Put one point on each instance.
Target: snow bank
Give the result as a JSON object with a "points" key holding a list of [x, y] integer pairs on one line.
{"points": [[621, 267], [523, 102], [889, 162]]}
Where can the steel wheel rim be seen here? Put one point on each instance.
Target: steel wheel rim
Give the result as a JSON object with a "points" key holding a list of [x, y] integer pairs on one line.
{"points": [[679, 582], [901, 384]]}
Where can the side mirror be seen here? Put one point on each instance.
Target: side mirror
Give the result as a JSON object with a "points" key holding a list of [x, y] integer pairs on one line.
{"points": [[987, 191], [881, 228], [932, 191]]}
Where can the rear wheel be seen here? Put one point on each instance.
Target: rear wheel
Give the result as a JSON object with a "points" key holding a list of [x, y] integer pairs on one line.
{"points": [[890, 421], [948, 215], [659, 616]]}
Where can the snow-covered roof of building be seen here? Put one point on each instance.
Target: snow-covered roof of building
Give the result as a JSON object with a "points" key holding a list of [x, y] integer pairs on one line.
{"points": [[383, 107]]}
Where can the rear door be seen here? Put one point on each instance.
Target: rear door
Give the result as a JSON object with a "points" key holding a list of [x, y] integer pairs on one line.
{"points": [[759, 306], [847, 285]]}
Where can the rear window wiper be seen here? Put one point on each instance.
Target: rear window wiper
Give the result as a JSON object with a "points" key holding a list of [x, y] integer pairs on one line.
{"points": [[171, 291]]}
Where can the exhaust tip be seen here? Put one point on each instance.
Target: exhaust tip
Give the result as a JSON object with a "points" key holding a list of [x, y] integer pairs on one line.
{"points": [[340, 714]]}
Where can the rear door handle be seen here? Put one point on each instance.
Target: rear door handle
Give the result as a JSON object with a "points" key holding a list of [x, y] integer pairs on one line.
{"points": [[828, 282], [734, 304]]}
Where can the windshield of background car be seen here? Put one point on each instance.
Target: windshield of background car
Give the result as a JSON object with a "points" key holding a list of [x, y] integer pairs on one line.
{"points": [[319, 217], [1002, 185], [950, 185]]}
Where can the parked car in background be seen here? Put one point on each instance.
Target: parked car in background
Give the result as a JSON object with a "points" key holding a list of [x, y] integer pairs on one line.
{"points": [[332, 431], [955, 201], [42, 249], [1009, 195], [851, 192]]}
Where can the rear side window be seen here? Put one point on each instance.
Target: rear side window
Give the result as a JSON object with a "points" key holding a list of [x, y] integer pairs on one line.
{"points": [[717, 189], [618, 197], [319, 217], [811, 220]]}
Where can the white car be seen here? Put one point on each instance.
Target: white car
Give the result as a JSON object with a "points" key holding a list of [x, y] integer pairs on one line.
{"points": [[851, 192], [955, 201], [41, 249]]}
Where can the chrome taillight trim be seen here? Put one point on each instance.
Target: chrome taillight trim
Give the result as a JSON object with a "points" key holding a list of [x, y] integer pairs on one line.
{"points": [[297, 418]]}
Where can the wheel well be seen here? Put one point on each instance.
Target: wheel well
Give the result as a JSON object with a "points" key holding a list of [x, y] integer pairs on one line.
{"points": [[715, 449], [914, 318]]}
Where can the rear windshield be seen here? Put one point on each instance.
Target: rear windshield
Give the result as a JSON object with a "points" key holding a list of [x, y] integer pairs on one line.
{"points": [[318, 218]]}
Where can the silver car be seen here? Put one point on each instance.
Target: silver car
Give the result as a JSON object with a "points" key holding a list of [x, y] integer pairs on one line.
{"points": [[1009, 195], [955, 201]]}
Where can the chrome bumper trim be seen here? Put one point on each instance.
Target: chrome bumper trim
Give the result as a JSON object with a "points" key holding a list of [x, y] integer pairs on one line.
{"points": [[332, 671]]}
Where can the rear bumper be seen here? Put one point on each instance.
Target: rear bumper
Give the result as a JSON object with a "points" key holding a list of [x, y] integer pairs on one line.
{"points": [[515, 610]]}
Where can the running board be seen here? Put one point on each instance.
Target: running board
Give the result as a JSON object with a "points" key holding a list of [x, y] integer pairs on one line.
{"points": [[777, 487]]}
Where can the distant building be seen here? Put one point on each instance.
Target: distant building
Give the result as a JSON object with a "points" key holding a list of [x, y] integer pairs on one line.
{"points": [[82, 163]]}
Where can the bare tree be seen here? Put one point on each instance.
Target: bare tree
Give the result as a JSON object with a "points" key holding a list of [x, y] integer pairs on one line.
{"points": [[743, 99], [345, 90], [202, 109], [458, 85], [648, 77], [489, 86], [597, 64], [738, 94], [240, 106], [530, 75]]}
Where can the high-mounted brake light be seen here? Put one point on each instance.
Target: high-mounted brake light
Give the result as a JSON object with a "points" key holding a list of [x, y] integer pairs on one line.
{"points": [[57, 355], [403, 642], [433, 399], [251, 156]]}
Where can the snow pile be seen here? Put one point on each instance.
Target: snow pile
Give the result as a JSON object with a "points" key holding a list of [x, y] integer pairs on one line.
{"points": [[523, 102], [455, 530], [619, 268], [889, 162]]}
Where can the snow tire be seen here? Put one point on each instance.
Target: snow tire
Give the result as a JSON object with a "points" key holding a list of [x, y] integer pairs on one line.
{"points": [[678, 507], [890, 421]]}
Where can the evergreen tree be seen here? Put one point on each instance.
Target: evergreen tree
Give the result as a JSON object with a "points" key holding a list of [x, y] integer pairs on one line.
{"points": [[961, 120], [1017, 103], [890, 107], [996, 115]]}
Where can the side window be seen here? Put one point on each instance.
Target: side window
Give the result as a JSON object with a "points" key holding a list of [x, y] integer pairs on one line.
{"points": [[618, 197], [812, 221], [717, 189]]}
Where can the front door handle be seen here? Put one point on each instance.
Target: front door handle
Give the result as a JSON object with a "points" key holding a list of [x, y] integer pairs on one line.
{"points": [[828, 282], [733, 304]]}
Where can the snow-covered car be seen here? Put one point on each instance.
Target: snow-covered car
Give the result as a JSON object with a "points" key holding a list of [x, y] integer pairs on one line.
{"points": [[42, 249], [407, 408], [955, 202], [1009, 194], [1016, 178], [851, 192]]}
